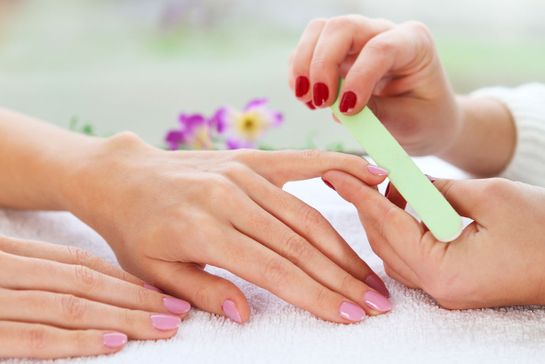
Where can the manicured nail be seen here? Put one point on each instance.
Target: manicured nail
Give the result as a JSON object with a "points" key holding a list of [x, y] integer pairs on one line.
{"points": [[377, 284], [152, 288], [377, 302], [302, 85], [387, 192], [320, 93], [114, 340], [176, 305], [348, 101], [351, 312], [377, 171], [230, 309], [310, 105], [432, 179], [165, 322], [328, 184]]}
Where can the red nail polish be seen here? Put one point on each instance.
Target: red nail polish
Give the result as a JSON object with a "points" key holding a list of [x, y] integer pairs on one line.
{"points": [[387, 190], [310, 105], [348, 101], [302, 85], [321, 93], [328, 184]]}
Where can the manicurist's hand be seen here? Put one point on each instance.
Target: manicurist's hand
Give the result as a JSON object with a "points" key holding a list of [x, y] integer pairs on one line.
{"points": [[497, 261], [168, 214], [395, 70], [58, 302]]}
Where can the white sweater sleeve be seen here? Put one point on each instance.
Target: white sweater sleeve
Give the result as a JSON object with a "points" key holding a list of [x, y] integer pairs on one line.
{"points": [[527, 106]]}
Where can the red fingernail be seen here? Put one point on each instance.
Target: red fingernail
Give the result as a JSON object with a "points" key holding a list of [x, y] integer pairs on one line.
{"points": [[321, 93], [387, 189], [348, 101], [328, 184], [310, 105], [432, 179], [302, 85]]}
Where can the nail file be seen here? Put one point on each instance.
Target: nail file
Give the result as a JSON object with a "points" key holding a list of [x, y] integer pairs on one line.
{"points": [[428, 203]]}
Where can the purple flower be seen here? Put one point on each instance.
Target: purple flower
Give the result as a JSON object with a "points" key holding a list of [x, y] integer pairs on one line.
{"points": [[193, 132]]}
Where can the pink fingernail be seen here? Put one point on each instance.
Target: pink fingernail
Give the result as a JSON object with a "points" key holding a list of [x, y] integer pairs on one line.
{"points": [[377, 284], [165, 322], [114, 340], [351, 312], [377, 171], [230, 309], [152, 288], [377, 302], [176, 305]]}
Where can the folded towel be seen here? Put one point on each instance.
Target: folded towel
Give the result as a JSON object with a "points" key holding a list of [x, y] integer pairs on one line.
{"points": [[416, 331]]}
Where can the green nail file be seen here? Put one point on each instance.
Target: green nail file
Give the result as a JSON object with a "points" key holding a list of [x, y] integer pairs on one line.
{"points": [[428, 203]]}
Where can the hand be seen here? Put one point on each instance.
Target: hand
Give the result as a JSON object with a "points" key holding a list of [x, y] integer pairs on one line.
{"points": [[394, 68], [168, 214], [58, 301], [498, 259]]}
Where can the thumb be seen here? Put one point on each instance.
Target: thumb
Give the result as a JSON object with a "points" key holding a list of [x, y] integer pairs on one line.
{"points": [[464, 196]]}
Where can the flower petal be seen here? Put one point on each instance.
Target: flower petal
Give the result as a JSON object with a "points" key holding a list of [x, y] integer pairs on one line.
{"points": [[255, 103]]}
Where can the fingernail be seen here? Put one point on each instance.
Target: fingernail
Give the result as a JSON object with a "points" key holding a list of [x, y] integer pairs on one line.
{"points": [[386, 194], [176, 305], [152, 288], [320, 93], [114, 340], [351, 312], [310, 105], [230, 310], [328, 184], [302, 85], [376, 283], [377, 171], [348, 101], [432, 179], [377, 302], [164, 322]]}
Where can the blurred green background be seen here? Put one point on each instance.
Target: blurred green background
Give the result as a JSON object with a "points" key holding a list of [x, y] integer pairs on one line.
{"points": [[134, 65]]}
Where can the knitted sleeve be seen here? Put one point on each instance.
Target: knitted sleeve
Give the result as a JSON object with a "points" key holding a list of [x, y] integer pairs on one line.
{"points": [[527, 106]]}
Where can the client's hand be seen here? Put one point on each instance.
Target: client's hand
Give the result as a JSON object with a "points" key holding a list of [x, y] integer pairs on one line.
{"points": [[60, 301], [168, 214], [497, 261]]}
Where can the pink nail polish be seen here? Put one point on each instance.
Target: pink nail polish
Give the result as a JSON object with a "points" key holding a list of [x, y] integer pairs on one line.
{"points": [[377, 302], [152, 288], [376, 283], [114, 340], [377, 171], [165, 322], [351, 312], [176, 305], [230, 309]]}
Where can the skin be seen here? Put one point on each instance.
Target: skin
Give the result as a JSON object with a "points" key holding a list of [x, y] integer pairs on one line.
{"points": [[167, 215], [395, 70]]}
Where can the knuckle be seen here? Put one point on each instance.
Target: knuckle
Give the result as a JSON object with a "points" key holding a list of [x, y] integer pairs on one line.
{"points": [[276, 273], [311, 154], [497, 187], [338, 23], [317, 23], [36, 339], [382, 45], [144, 296], [418, 28], [235, 170], [201, 296], [128, 320], [296, 248], [311, 217], [72, 307], [347, 283], [322, 299], [85, 276], [79, 256]]}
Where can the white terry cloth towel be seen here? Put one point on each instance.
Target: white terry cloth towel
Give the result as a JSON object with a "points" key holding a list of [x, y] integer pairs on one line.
{"points": [[416, 331]]}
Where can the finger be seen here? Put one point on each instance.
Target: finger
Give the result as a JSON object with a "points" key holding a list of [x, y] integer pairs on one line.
{"points": [[388, 52], [392, 273], [339, 39], [300, 62], [280, 167], [258, 264], [393, 225], [204, 290], [39, 274], [467, 197], [24, 340], [71, 312], [306, 222], [64, 254]]}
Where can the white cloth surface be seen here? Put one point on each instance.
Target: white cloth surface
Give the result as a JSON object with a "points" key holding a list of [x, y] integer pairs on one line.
{"points": [[416, 331]]}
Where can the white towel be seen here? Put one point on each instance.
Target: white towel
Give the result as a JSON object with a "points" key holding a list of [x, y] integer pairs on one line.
{"points": [[416, 331]]}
